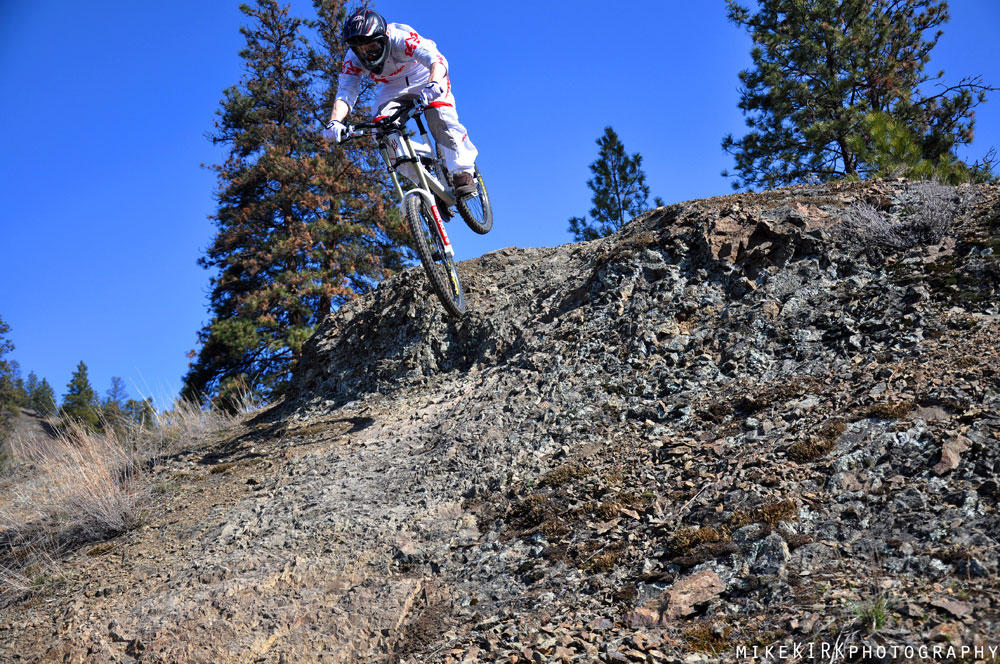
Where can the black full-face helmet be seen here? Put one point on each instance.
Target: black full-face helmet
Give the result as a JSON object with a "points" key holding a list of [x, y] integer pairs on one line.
{"points": [[365, 32]]}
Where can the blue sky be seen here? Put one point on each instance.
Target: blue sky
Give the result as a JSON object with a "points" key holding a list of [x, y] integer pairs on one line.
{"points": [[106, 106]]}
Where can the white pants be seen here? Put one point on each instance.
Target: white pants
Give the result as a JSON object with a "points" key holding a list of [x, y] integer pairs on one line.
{"points": [[442, 120]]}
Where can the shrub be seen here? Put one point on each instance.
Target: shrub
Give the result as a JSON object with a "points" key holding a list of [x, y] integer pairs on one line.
{"points": [[925, 221]]}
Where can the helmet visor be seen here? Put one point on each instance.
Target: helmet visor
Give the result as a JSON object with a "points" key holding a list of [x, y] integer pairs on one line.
{"points": [[367, 50]]}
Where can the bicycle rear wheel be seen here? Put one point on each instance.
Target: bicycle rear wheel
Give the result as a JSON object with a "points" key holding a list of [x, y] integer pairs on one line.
{"points": [[439, 266], [475, 210]]}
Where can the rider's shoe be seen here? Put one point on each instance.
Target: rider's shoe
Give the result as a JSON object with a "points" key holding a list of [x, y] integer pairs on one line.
{"points": [[465, 184]]}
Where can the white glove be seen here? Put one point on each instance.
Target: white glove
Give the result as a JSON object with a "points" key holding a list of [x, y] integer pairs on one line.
{"points": [[334, 131], [432, 91]]}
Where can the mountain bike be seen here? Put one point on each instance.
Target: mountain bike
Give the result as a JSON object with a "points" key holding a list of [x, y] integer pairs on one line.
{"points": [[427, 203]]}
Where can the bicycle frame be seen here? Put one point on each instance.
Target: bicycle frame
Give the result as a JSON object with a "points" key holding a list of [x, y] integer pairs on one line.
{"points": [[429, 199], [405, 156]]}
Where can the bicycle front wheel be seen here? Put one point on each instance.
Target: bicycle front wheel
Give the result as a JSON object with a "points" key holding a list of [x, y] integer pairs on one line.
{"points": [[438, 264]]}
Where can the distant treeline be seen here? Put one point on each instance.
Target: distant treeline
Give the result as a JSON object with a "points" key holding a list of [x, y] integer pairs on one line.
{"points": [[80, 402]]}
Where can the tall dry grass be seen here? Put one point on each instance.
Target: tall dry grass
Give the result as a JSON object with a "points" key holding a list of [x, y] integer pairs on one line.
{"points": [[97, 483], [80, 486], [186, 421], [83, 486]]}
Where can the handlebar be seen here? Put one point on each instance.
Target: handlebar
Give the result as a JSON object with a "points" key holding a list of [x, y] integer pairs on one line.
{"points": [[382, 126]]}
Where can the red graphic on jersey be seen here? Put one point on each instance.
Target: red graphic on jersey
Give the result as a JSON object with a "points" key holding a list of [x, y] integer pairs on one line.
{"points": [[411, 43], [385, 79], [350, 69]]}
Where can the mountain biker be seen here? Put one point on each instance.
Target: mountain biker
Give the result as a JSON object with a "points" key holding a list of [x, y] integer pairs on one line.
{"points": [[409, 67]]}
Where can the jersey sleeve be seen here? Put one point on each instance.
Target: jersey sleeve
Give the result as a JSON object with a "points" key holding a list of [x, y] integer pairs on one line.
{"points": [[349, 81], [410, 45]]}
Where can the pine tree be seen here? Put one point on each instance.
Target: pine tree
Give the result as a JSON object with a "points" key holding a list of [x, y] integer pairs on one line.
{"points": [[113, 406], [302, 228], [80, 401], [37, 395], [821, 67], [619, 190], [8, 392], [20, 387], [889, 149], [30, 387], [141, 412], [43, 399], [6, 345]]}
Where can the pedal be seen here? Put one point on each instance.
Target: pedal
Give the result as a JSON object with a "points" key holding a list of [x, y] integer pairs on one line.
{"points": [[443, 211]]}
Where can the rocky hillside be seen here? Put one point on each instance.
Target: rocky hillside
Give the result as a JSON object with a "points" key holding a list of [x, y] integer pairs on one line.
{"points": [[740, 424]]}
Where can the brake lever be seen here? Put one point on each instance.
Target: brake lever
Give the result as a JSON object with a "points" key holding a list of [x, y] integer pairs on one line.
{"points": [[351, 132]]}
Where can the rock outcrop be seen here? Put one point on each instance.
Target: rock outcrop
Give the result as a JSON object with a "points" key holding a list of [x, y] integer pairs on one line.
{"points": [[755, 420]]}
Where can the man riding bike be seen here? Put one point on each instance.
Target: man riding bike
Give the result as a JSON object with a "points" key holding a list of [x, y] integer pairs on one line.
{"points": [[409, 67]]}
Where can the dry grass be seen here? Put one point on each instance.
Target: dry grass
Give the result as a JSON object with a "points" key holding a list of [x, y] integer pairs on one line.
{"points": [[187, 421], [97, 481], [83, 486], [78, 487], [34, 568]]}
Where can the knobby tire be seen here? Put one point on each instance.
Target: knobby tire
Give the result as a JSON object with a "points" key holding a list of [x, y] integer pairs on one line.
{"points": [[475, 210], [439, 266]]}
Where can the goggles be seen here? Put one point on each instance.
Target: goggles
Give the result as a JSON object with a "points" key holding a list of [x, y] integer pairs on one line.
{"points": [[366, 49]]}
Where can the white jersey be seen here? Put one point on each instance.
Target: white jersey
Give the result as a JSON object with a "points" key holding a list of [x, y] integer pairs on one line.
{"points": [[409, 60], [405, 73]]}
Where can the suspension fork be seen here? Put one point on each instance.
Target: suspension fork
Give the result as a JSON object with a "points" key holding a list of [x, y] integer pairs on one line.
{"points": [[387, 158], [425, 192]]}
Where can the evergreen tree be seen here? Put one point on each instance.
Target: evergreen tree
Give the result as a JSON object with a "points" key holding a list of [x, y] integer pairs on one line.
{"points": [[35, 394], [80, 401], [302, 227], [8, 392], [30, 387], [821, 67], [43, 398], [889, 149], [113, 407], [141, 412], [620, 190], [6, 345], [20, 387]]}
